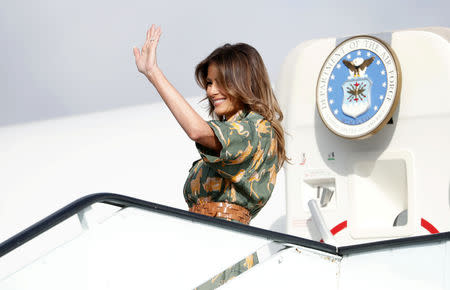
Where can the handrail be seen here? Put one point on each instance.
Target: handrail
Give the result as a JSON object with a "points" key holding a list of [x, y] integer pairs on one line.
{"points": [[394, 243], [126, 201]]}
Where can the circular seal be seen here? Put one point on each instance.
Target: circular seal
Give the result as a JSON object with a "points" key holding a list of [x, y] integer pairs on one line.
{"points": [[358, 87]]}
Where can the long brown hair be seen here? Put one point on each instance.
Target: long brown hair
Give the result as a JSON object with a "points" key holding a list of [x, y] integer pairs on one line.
{"points": [[243, 75]]}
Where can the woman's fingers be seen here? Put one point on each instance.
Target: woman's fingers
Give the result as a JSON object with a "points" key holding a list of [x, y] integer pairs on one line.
{"points": [[158, 34], [152, 37], [146, 57], [147, 40], [149, 32], [137, 59], [136, 53], [152, 31]]}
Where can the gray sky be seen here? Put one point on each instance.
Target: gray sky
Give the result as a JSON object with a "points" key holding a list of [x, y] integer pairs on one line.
{"points": [[61, 58]]}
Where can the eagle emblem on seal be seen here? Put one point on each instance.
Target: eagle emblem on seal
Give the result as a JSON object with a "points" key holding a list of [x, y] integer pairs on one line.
{"points": [[357, 88]]}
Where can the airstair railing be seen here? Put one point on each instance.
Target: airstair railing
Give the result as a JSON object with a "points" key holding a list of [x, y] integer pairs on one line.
{"points": [[393, 243], [126, 201]]}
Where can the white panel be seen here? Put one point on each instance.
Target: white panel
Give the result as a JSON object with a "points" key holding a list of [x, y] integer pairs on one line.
{"points": [[137, 249], [411, 267], [378, 192], [446, 268], [294, 268]]}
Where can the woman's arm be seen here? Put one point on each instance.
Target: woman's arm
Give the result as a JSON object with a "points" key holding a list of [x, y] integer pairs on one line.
{"points": [[191, 122]]}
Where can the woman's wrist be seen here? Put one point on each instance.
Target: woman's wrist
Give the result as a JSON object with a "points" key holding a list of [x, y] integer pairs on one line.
{"points": [[153, 74]]}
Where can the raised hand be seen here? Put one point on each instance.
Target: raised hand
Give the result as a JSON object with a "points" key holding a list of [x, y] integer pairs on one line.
{"points": [[146, 57], [191, 122]]}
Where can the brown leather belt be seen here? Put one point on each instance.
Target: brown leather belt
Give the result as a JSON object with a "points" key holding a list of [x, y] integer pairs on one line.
{"points": [[225, 210]]}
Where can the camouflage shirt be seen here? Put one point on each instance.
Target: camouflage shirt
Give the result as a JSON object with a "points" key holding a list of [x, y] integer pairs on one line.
{"points": [[245, 170]]}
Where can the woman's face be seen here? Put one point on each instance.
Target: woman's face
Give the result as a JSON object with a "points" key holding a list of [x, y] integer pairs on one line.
{"points": [[223, 105]]}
